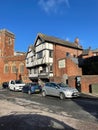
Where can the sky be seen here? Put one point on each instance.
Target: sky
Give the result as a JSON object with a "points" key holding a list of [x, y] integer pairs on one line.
{"points": [[64, 19]]}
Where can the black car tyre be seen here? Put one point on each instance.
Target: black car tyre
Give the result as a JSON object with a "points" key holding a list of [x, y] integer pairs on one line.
{"points": [[29, 92], [43, 93], [14, 89], [62, 96]]}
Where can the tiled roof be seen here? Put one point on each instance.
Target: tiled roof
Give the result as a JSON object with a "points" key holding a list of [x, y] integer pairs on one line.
{"points": [[58, 41], [96, 50], [32, 47]]}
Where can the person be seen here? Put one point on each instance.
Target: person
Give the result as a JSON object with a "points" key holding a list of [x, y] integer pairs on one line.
{"points": [[40, 82]]}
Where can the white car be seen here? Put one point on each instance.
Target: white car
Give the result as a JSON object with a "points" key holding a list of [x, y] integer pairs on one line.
{"points": [[16, 85], [61, 90]]}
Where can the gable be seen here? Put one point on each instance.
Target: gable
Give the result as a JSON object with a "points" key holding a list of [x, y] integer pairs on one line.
{"points": [[50, 39], [38, 42]]}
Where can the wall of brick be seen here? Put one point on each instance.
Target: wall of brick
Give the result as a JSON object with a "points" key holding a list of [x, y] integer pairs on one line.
{"points": [[72, 68], [72, 81], [17, 60], [6, 43], [60, 53], [86, 81]]}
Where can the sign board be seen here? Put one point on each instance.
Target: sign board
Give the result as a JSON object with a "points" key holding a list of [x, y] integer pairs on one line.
{"points": [[61, 63]]}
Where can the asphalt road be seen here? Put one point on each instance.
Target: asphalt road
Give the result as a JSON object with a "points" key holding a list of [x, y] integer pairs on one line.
{"points": [[83, 108]]}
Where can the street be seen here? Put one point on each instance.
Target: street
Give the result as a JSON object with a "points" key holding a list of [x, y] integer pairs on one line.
{"points": [[83, 109]]}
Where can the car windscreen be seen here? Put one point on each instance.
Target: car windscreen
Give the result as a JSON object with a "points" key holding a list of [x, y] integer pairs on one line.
{"points": [[63, 85], [18, 81]]}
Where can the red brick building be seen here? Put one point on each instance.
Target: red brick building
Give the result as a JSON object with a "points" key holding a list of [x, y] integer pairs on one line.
{"points": [[53, 59], [12, 64], [69, 55]]}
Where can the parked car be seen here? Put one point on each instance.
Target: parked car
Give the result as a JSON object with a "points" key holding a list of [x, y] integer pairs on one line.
{"points": [[5, 84], [31, 88], [16, 85], [59, 90]]}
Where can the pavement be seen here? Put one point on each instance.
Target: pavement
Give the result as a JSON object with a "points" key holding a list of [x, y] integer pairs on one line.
{"points": [[89, 95]]}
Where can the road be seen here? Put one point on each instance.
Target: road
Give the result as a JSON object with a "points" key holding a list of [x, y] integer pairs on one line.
{"points": [[84, 108]]}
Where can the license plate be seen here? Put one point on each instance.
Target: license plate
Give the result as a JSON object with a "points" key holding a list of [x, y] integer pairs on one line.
{"points": [[37, 90]]}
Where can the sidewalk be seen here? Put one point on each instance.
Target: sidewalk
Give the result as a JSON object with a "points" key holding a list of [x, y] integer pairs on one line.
{"points": [[89, 95]]}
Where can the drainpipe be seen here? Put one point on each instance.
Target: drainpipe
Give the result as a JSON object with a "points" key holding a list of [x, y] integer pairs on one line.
{"points": [[54, 58]]}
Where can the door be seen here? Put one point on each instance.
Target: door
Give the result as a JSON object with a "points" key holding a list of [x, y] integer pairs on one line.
{"points": [[54, 89]]}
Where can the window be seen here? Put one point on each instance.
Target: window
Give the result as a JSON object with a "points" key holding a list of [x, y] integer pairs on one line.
{"points": [[50, 67], [35, 70], [50, 53], [44, 69], [31, 58], [21, 68], [6, 68], [10, 41], [14, 69], [39, 55], [67, 54], [27, 60]]}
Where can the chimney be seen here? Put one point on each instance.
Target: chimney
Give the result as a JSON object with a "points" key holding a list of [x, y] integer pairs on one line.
{"points": [[76, 41]]}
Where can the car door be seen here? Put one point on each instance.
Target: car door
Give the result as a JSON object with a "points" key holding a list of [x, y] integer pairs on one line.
{"points": [[12, 85], [26, 88], [48, 88], [54, 89]]}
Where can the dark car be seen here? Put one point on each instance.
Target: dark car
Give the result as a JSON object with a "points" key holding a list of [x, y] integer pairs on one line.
{"points": [[31, 88], [5, 84]]}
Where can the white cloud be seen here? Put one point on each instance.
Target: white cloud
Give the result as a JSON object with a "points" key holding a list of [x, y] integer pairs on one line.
{"points": [[54, 6]]}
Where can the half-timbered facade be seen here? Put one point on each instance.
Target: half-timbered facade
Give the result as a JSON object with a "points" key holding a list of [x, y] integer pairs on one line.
{"points": [[45, 56]]}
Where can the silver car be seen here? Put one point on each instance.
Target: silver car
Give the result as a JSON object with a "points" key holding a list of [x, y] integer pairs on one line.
{"points": [[60, 90]]}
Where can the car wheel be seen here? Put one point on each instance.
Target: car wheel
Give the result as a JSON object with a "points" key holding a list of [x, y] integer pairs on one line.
{"points": [[62, 96], [14, 89], [43, 93], [29, 92]]}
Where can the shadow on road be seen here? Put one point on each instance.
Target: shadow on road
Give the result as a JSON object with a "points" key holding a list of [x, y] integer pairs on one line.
{"points": [[92, 108], [31, 122]]}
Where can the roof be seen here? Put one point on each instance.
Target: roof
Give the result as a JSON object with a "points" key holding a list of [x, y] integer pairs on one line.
{"points": [[94, 51], [57, 41], [6, 31], [32, 47]]}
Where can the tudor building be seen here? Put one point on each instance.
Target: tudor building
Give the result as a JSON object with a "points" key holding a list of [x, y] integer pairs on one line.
{"points": [[53, 59]]}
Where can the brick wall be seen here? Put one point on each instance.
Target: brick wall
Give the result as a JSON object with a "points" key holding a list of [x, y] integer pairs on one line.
{"points": [[6, 43], [60, 53], [86, 81], [72, 68], [17, 60]]}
